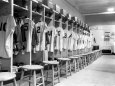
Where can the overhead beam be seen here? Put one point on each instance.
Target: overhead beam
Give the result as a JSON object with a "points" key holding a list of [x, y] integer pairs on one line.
{"points": [[102, 13]]}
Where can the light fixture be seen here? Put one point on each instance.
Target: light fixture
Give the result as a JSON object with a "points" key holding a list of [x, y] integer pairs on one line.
{"points": [[111, 9]]}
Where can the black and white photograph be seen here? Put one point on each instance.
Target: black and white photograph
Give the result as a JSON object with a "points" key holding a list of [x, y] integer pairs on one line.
{"points": [[57, 42]]}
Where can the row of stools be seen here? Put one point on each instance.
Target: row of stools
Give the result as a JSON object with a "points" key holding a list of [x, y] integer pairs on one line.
{"points": [[34, 74]]}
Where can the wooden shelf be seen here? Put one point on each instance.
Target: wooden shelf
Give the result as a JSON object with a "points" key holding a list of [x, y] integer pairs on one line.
{"points": [[19, 8], [35, 1], [63, 23], [48, 18], [45, 6], [4, 1], [36, 13], [57, 21], [56, 12], [63, 15]]}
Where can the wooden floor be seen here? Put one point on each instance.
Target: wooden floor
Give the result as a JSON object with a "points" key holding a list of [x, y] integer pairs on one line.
{"points": [[100, 73]]}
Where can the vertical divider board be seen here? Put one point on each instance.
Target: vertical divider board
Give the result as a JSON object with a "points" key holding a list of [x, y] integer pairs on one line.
{"points": [[39, 56], [72, 36], [26, 57], [50, 22], [70, 29], [57, 23], [30, 26], [77, 38], [6, 7], [62, 28], [12, 12], [67, 40], [53, 23], [64, 53]]}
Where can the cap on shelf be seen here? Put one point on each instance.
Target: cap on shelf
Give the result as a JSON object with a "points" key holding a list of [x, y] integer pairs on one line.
{"points": [[57, 8]]}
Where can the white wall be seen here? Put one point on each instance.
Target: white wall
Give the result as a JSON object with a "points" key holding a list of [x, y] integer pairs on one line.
{"points": [[98, 32]]}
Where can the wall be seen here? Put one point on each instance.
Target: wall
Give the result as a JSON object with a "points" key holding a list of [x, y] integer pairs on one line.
{"points": [[98, 32], [64, 5], [103, 23]]}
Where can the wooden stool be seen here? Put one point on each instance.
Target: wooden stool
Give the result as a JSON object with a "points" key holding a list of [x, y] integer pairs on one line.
{"points": [[67, 66], [33, 69], [87, 58], [75, 60], [84, 57], [79, 61], [53, 63], [6, 76]]}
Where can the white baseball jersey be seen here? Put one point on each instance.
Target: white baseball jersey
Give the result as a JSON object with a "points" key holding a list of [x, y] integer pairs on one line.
{"points": [[27, 33], [59, 39], [48, 38], [40, 27], [7, 27]]}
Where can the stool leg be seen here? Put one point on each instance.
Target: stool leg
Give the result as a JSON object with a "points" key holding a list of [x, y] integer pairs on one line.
{"points": [[53, 75], [30, 77], [75, 64], [58, 73], [42, 77], [1, 83], [47, 74], [85, 61], [22, 75], [69, 66], [34, 77], [78, 64], [66, 68], [15, 84]]}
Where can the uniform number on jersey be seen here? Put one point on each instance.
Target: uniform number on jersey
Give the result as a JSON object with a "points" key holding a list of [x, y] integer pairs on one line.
{"points": [[49, 33], [58, 33], [65, 35], [3, 26], [38, 29], [25, 26], [70, 36]]}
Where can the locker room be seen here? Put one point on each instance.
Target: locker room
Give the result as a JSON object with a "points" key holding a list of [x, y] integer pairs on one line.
{"points": [[57, 43]]}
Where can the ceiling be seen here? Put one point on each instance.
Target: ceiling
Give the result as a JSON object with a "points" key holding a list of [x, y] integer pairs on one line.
{"points": [[89, 7]]}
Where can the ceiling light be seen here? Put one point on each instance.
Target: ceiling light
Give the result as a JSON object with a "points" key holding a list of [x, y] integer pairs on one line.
{"points": [[110, 9]]}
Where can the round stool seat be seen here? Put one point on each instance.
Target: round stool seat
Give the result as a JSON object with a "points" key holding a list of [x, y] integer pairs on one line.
{"points": [[32, 67], [76, 55], [64, 59], [5, 76], [51, 62], [73, 57], [84, 54]]}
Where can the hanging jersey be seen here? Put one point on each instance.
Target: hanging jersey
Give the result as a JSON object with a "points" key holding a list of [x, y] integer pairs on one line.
{"points": [[70, 40], [48, 38], [7, 27], [59, 39], [17, 39], [74, 41], [27, 34], [39, 29], [65, 39]]}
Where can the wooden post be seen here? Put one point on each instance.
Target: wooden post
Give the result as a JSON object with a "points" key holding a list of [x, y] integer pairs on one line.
{"points": [[30, 23], [11, 12], [54, 26], [72, 36]]}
